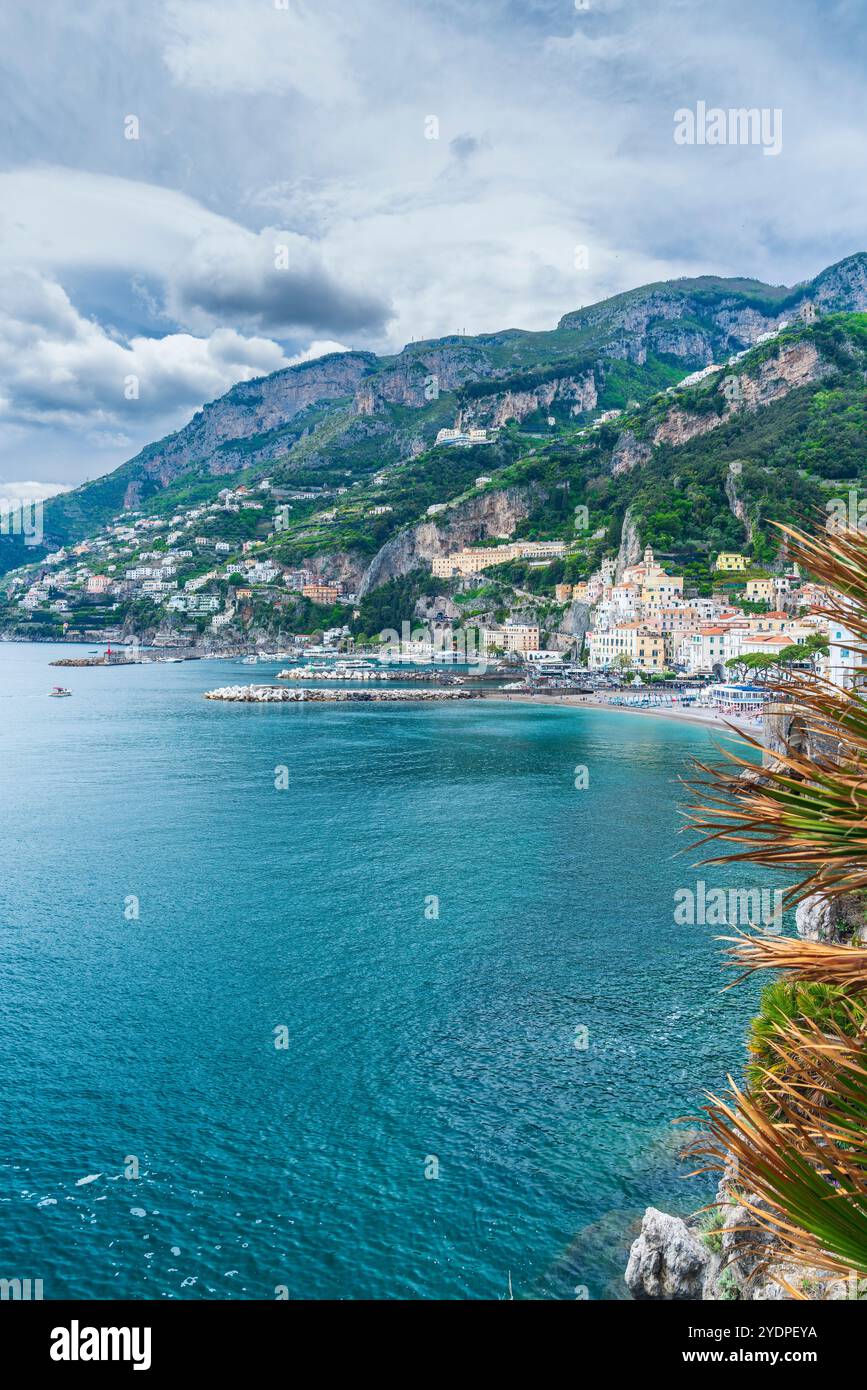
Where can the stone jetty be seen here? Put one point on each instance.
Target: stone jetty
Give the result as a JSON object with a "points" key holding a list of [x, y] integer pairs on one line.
{"points": [[275, 694], [303, 673]]}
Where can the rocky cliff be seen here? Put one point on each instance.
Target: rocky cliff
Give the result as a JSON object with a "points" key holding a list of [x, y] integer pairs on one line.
{"points": [[708, 318], [251, 408], [420, 374], [793, 365], [577, 393], [491, 515]]}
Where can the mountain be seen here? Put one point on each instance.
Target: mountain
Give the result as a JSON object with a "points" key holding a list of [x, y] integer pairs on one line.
{"points": [[350, 414]]}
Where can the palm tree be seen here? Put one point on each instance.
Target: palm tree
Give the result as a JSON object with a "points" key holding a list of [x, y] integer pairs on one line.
{"points": [[799, 1129]]}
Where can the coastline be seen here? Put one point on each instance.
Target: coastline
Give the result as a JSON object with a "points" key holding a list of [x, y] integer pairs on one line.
{"points": [[709, 718]]}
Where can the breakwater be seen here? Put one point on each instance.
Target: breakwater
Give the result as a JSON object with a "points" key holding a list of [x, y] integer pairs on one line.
{"points": [[303, 673], [275, 694]]}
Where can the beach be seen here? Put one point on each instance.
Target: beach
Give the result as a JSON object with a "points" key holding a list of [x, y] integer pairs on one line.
{"points": [[682, 715]]}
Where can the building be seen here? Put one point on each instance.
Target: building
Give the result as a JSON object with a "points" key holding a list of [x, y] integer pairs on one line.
{"points": [[845, 663], [519, 637], [759, 591], [699, 652], [98, 584], [729, 560], [462, 438], [630, 644], [322, 592], [193, 603], [472, 560]]}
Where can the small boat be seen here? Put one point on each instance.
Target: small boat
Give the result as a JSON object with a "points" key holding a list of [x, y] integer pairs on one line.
{"points": [[59, 692], [249, 660]]}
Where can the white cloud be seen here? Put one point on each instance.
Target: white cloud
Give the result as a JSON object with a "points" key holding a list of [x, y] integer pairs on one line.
{"points": [[31, 491], [61, 368], [213, 271], [224, 46]]}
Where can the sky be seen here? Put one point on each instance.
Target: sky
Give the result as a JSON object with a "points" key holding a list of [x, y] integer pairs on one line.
{"points": [[197, 192]]}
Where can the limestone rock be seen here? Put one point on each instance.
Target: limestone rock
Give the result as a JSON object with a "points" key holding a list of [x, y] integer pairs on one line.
{"points": [[667, 1261]]}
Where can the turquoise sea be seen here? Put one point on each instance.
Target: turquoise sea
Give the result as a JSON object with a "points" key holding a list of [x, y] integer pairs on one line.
{"points": [[430, 916]]}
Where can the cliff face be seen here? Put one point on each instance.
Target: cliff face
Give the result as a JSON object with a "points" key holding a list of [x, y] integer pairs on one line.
{"points": [[735, 502], [629, 452], [708, 318], [491, 515], [413, 378], [796, 364], [251, 408], [579, 393], [630, 545]]}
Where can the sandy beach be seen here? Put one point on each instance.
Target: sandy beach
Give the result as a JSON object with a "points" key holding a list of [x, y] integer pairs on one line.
{"points": [[692, 715]]}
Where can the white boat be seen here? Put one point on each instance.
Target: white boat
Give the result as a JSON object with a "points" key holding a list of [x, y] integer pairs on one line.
{"points": [[249, 660], [59, 692]]}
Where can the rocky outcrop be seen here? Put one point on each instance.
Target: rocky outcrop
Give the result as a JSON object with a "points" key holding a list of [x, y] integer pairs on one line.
{"points": [[575, 620], [719, 1255], [419, 374], [578, 393], [630, 545], [708, 318], [338, 566], [837, 921], [794, 365], [738, 508], [629, 452], [489, 515], [667, 1261]]}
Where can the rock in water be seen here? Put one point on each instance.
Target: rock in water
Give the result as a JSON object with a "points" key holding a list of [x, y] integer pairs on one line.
{"points": [[666, 1261]]}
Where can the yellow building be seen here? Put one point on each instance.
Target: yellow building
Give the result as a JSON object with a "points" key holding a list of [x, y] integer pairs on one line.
{"points": [[629, 644], [759, 591], [518, 637], [731, 560], [473, 560], [469, 561]]}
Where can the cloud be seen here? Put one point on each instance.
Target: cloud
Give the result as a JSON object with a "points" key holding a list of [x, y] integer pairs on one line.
{"points": [[277, 282], [308, 125], [60, 368], [264, 47], [212, 271], [31, 491]]}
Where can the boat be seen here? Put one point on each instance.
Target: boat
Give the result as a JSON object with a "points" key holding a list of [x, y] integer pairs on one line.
{"points": [[249, 661], [59, 692]]}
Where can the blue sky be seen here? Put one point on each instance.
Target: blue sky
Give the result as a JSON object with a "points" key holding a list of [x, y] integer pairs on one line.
{"points": [[298, 133]]}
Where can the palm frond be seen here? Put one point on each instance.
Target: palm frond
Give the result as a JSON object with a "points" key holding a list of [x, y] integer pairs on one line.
{"points": [[801, 1148], [843, 966]]}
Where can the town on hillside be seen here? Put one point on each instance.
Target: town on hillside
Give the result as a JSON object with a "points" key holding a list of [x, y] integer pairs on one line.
{"points": [[178, 585]]}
